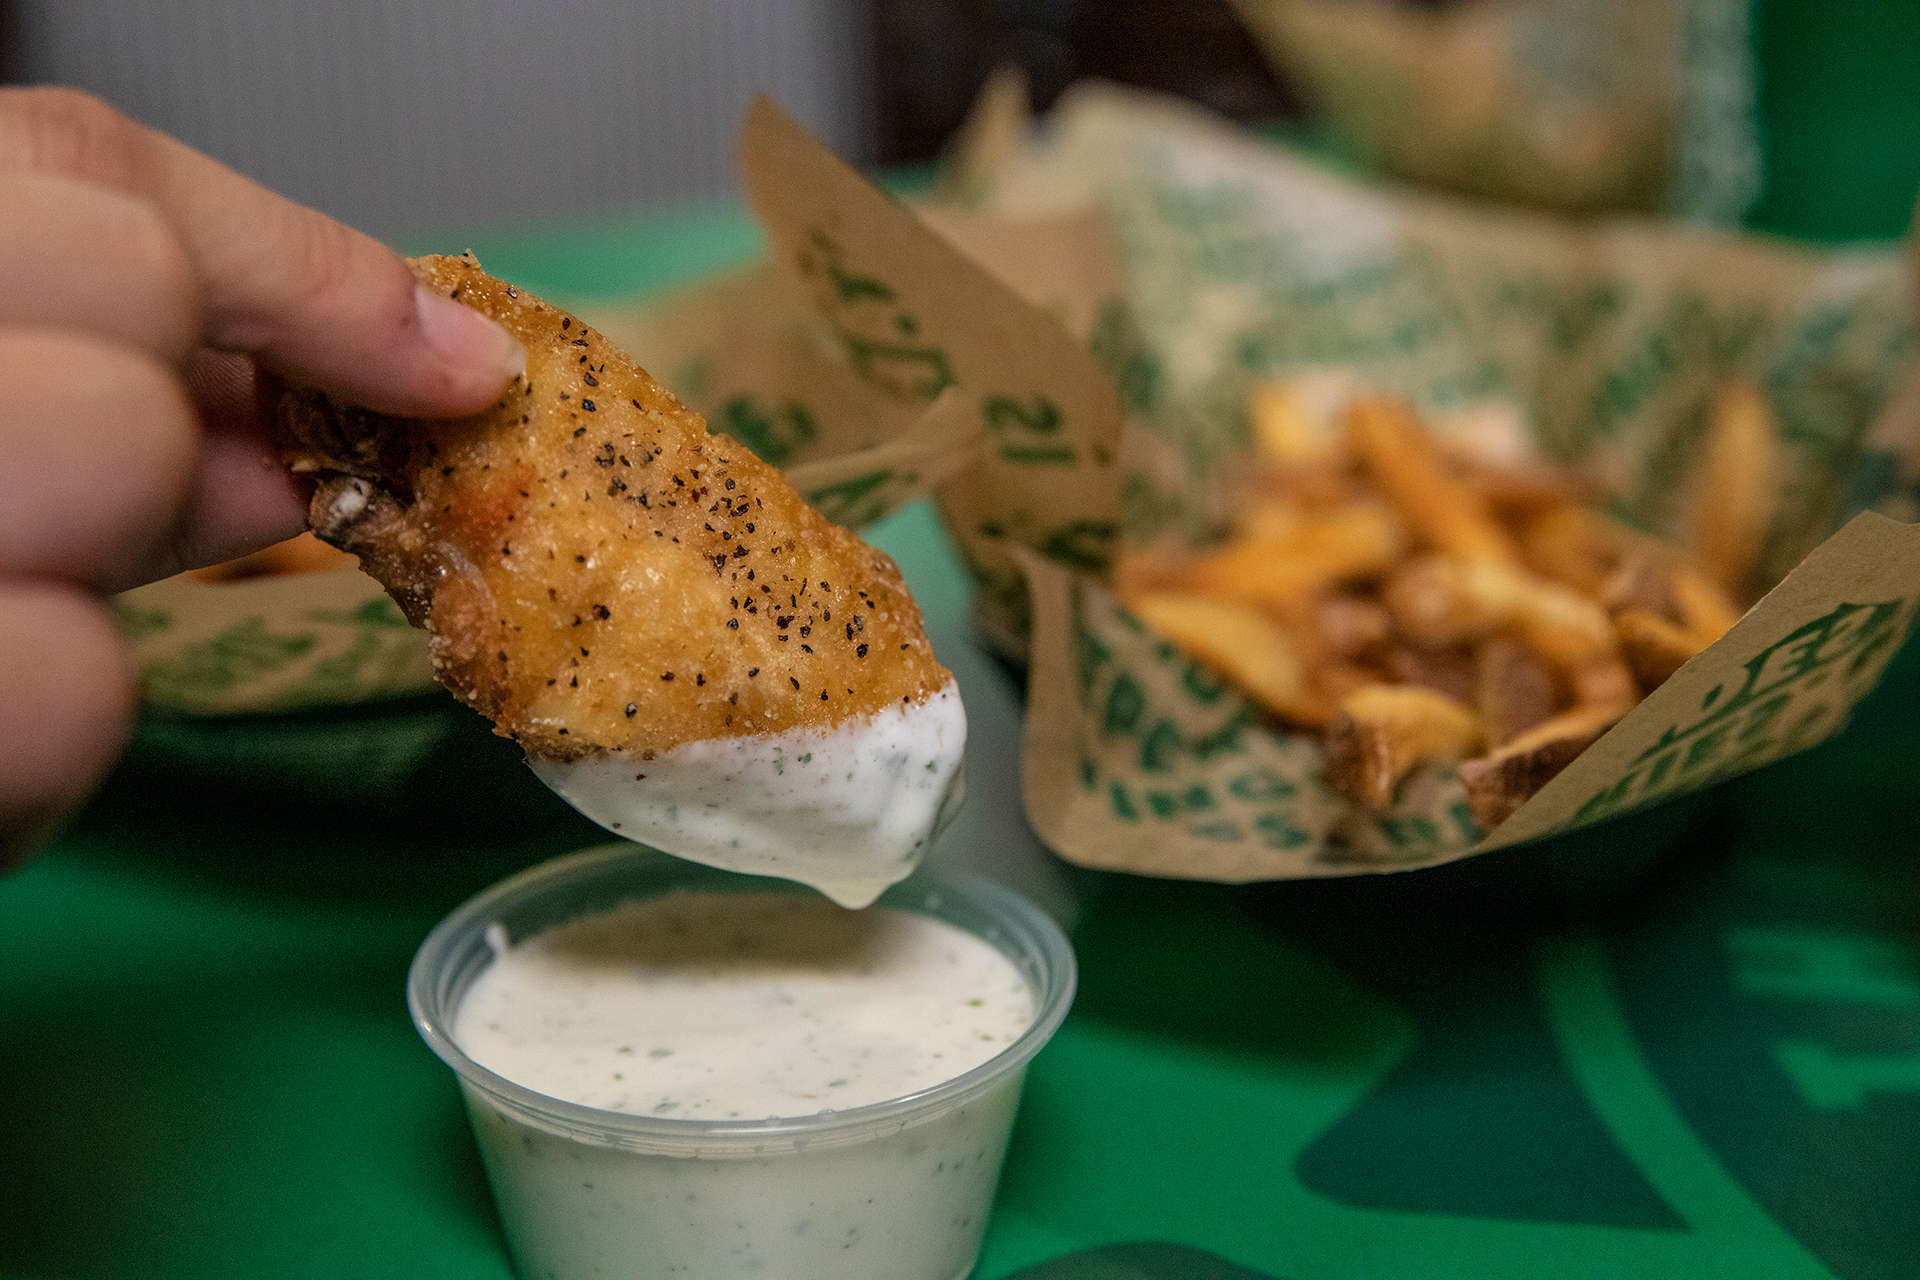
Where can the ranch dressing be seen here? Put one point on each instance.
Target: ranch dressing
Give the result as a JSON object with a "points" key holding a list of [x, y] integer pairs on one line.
{"points": [[705, 1007], [724, 1006], [848, 810]]}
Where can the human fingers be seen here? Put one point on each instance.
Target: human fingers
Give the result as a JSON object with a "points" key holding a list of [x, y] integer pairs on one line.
{"points": [[74, 255], [310, 298], [240, 497], [66, 703], [98, 444]]}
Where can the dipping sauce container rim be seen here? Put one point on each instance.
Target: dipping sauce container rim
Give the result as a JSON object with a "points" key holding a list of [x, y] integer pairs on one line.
{"points": [[602, 877]]}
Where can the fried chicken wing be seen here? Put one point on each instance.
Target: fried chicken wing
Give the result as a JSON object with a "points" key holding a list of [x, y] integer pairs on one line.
{"points": [[681, 645]]}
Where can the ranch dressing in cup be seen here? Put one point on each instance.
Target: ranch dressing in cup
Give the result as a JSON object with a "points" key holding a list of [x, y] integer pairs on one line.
{"points": [[675, 1071]]}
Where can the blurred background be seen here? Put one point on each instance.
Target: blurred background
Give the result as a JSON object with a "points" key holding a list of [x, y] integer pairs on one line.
{"points": [[403, 116]]}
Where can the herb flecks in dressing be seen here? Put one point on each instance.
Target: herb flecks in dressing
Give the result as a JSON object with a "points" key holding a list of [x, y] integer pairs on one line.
{"points": [[717, 1006], [848, 810]]}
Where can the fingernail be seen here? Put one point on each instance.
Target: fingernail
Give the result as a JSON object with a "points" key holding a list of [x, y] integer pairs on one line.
{"points": [[466, 337]]}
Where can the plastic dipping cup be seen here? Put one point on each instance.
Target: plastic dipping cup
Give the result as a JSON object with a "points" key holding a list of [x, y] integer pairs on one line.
{"points": [[897, 1190]]}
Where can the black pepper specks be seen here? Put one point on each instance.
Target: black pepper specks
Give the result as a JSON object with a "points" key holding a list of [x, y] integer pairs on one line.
{"points": [[601, 612], [591, 380], [794, 683], [861, 652], [633, 710], [666, 675]]}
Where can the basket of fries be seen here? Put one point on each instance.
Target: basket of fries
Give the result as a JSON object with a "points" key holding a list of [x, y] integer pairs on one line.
{"points": [[1341, 528], [1417, 601]]}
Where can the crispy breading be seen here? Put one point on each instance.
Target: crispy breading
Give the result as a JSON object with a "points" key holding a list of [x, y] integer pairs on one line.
{"points": [[595, 570]]}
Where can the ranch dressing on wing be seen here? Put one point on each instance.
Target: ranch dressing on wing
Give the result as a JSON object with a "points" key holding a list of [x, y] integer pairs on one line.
{"points": [[717, 1006], [848, 810]]}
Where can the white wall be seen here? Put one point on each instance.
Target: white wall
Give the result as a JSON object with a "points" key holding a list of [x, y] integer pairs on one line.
{"points": [[409, 115]]}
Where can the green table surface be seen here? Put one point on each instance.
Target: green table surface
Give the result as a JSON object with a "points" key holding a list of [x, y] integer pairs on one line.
{"points": [[1686, 1043]]}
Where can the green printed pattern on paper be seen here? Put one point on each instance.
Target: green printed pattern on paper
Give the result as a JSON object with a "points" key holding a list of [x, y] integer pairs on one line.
{"points": [[378, 658], [774, 434], [213, 666], [326, 656], [1027, 428], [1793, 693], [1166, 745], [135, 622], [882, 338], [860, 500]]}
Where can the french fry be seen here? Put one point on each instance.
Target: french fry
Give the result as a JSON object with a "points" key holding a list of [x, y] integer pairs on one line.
{"points": [[1420, 603], [1256, 654], [1704, 608], [1506, 778], [1358, 540], [1448, 669], [1438, 509], [1320, 486], [1736, 487], [1514, 688], [1433, 603], [1654, 647], [1286, 430], [1574, 547], [1441, 600], [1384, 732], [1354, 628], [1588, 663], [1643, 584]]}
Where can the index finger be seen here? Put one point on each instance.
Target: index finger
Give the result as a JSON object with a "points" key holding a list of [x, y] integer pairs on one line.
{"points": [[308, 297]]}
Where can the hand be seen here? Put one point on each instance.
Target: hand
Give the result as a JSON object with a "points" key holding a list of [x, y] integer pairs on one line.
{"points": [[141, 285]]}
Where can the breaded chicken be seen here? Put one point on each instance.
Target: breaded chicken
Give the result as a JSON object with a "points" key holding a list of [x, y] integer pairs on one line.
{"points": [[598, 574]]}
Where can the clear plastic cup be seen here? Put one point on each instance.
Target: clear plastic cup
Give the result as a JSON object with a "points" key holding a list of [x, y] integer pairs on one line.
{"points": [[897, 1190]]}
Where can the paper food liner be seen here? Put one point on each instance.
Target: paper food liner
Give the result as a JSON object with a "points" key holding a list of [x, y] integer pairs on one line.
{"points": [[877, 361], [273, 643], [1139, 263]]}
